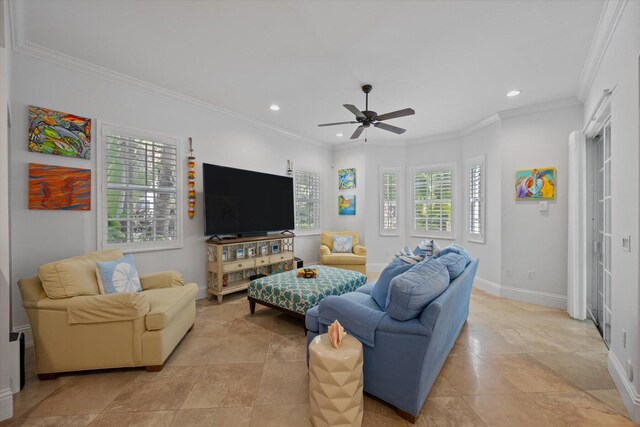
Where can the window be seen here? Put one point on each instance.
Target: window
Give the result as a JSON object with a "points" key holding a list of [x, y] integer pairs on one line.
{"points": [[389, 201], [307, 198], [433, 201], [475, 199], [140, 203]]}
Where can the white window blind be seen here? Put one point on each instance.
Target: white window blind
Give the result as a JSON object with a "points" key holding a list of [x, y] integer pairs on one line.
{"points": [[433, 201], [307, 197], [389, 201], [475, 199], [141, 192]]}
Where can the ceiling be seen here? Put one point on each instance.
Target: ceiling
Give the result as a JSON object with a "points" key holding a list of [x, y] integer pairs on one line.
{"points": [[452, 61]]}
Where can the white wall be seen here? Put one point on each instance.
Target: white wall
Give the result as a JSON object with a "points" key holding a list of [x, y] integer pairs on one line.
{"points": [[533, 240], [6, 400], [42, 236], [619, 70]]}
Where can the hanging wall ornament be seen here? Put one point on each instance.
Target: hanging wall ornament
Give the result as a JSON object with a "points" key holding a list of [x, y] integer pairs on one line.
{"points": [[192, 181]]}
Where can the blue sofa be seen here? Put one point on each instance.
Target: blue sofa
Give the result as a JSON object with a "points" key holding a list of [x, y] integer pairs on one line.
{"points": [[402, 359]]}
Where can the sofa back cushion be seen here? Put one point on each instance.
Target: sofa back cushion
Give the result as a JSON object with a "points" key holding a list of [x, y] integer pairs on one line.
{"points": [[456, 249], [455, 264], [326, 238], [381, 288], [74, 276], [412, 291]]}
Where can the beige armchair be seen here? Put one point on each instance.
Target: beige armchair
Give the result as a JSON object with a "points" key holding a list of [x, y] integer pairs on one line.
{"points": [[76, 328], [356, 261]]}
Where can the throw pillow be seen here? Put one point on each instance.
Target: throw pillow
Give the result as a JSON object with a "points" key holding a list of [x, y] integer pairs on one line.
{"points": [[119, 275], [455, 264], [412, 291], [428, 248], [342, 244], [406, 255], [457, 249], [381, 288]]}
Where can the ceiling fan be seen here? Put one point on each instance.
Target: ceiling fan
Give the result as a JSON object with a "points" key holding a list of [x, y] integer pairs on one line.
{"points": [[367, 118]]}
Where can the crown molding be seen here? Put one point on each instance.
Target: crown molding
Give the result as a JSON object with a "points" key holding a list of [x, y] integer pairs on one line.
{"points": [[609, 18], [21, 45], [479, 125]]}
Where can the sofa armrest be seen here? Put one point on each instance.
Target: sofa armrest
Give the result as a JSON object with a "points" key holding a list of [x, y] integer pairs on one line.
{"points": [[359, 250], [162, 279], [324, 251], [358, 319], [106, 308]]}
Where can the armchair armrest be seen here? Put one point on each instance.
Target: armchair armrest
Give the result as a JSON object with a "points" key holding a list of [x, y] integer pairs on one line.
{"points": [[324, 251], [359, 250], [358, 319], [106, 308], [162, 279]]}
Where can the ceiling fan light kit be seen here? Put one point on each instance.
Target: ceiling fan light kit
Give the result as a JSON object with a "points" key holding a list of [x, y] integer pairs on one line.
{"points": [[367, 117]]}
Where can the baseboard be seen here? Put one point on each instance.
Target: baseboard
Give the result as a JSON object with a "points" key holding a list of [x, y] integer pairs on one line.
{"points": [[376, 267], [28, 336], [526, 295], [6, 404], [628, 394]]}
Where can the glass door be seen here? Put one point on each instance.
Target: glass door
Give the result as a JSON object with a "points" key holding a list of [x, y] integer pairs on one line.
{"points": [[599, 285]]}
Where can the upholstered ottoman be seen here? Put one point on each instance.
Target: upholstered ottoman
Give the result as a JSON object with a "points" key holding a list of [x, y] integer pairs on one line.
{"points": [[295, 295], [335, 382]]}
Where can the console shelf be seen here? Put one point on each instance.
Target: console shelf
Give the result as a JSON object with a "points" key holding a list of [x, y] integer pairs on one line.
{"points": [[233, 261]]}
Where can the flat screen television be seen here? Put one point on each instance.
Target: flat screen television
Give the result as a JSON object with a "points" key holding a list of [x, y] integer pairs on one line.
{"points": [[242, 202]]}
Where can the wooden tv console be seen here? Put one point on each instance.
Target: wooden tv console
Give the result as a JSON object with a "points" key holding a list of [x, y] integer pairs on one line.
{"points": [[229, 272]]}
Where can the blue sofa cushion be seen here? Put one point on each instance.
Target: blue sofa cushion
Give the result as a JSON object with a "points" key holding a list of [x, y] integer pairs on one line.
{"points": [[311, 319], [366, 289], [412, 291], [357, 312], [381, 288], [455, 264], [457, 249]]}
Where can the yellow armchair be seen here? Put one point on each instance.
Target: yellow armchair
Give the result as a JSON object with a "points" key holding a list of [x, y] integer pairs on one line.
{"points": [[356, 260]]}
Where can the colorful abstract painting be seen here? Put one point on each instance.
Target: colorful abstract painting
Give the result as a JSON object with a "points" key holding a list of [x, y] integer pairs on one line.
{"points": [[57, 187], [62, 134], [537, 184], [347, 178], [347, 205]]}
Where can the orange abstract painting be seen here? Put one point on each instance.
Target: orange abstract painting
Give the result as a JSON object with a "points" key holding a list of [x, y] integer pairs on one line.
{"points": [[57, 187]]}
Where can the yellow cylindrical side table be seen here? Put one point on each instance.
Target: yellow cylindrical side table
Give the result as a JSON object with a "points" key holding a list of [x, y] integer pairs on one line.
{"points": [[335, 382]]}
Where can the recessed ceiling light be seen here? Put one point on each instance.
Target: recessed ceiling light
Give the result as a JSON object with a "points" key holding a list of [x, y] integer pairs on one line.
{"points": [[339, 135], [274, 107], [513, 93]]}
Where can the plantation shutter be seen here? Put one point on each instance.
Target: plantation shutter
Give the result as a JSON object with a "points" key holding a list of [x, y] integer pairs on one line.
{"points": [[389, 191], [475, 199], [432, 190], [307, 199], [141, 185]]}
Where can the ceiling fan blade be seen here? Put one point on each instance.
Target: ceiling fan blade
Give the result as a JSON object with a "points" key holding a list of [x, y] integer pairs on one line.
{"points": [[337, 123], [357, 133], [354, 110], [390, 128], [395, 114]]}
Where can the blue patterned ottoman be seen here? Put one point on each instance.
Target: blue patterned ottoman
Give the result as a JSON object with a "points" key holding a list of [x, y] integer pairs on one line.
{"points": [[295, 295]]}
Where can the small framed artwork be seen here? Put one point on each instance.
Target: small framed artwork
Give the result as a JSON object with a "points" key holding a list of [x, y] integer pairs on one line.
{"points": [[347, 204], [224, 255], [240, 253], [536, 184], [251, 252], [275, 249], [347, 179], [264, 250], [62, 134], [59, 188]]}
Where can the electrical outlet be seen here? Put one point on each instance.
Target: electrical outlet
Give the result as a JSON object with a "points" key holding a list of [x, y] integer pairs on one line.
{"points": [[508, 271], [626, 243], [531, 275]]}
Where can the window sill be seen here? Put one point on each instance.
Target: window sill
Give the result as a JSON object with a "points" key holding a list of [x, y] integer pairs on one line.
{"points": [[390, 234], [477, 241], [302, 233], [135, 250], [431, 236]]}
